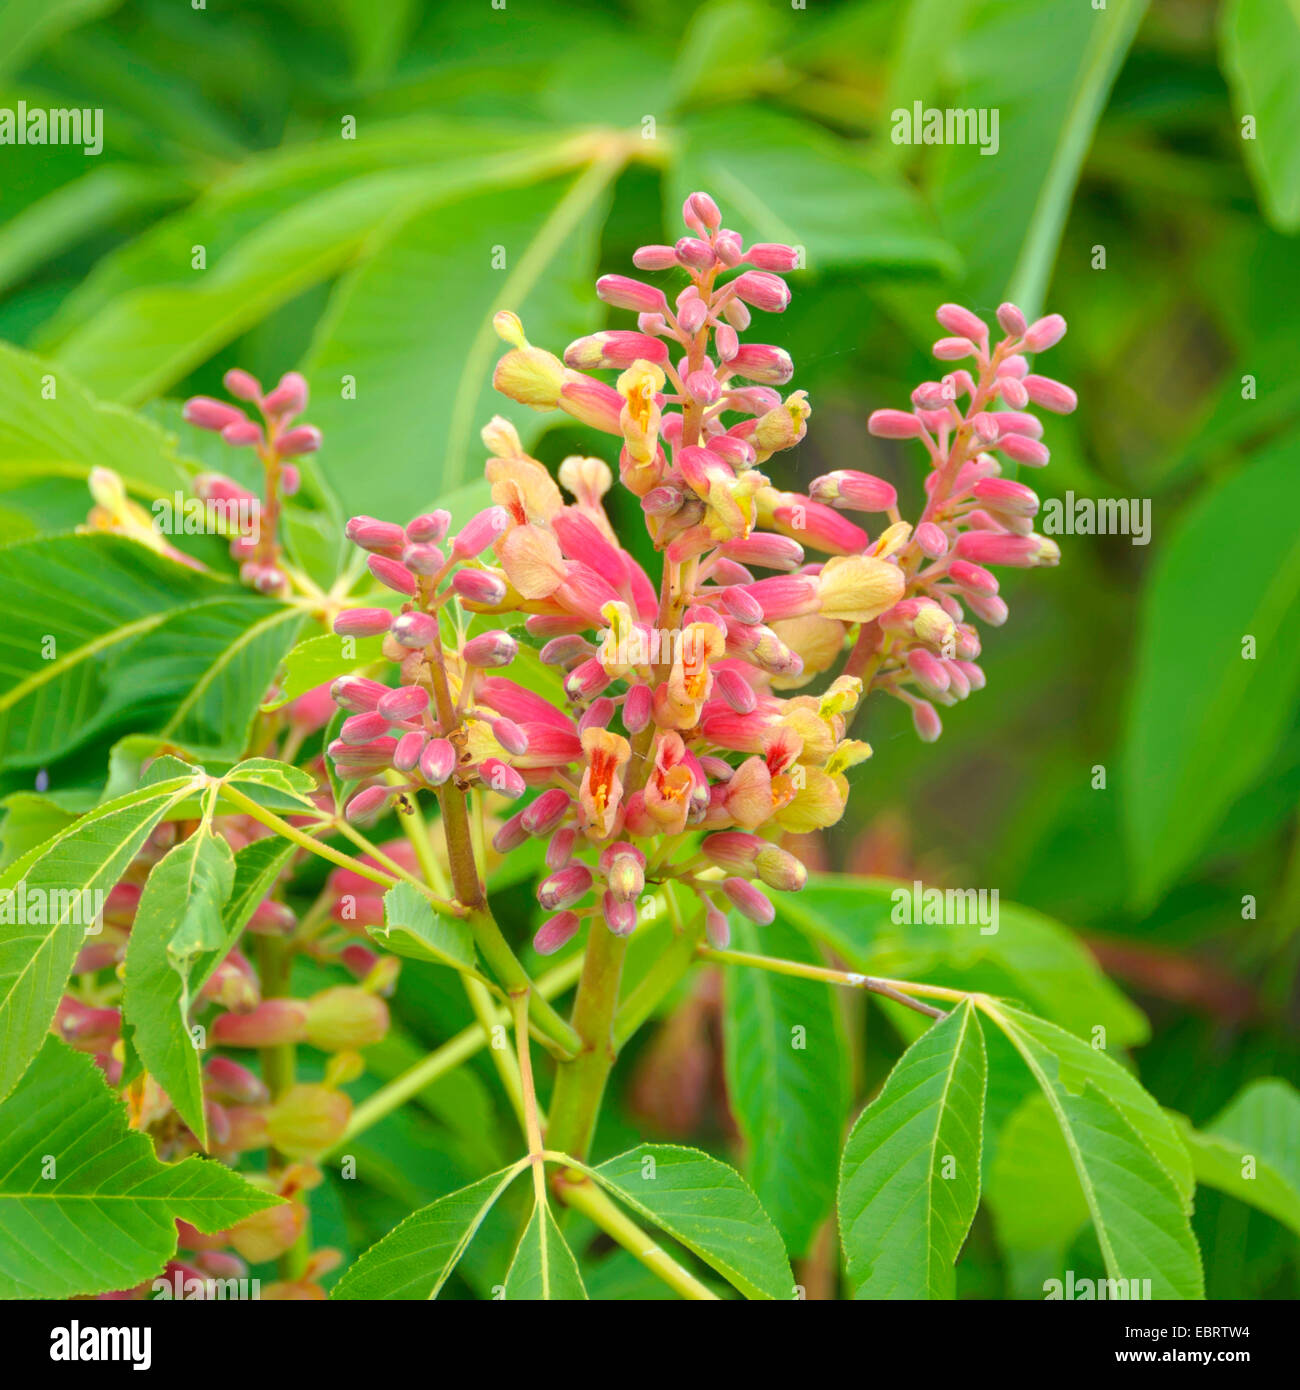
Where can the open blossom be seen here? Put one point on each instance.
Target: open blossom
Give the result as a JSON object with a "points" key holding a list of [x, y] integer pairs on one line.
{"points": [[675, 740]]}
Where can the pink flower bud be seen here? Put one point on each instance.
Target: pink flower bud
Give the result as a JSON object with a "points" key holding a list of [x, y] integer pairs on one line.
{"points": [[564, 887], [742, 605], [208, 414], [273, 1022], [290, 479], [860, 492], [701, 213], [546, 813], [762, 362], [592, 402], [306, 439], [662, 501], [490, 649], [716, 927], [703, 387], [766, 550], [242, 385], [1013, 391], [637, 707], [1006, 495], [358, 694], [654, 258], [730, 247], [289, 397], [242, 433], [926, 721], [415, 629], [393, 574], [479, 586], [961, 322], [972, 578], [954, 349], [438, 761], [748, 900], [625, 293], [368, 802], [1022, 450], [733, 849], [772, 255], [1044, 333], [510, 835], [1017, 422], [406, 756], [423, 559], [501, 777], [990, 610], [362, 622], [974, 675], [958, 685], [931, 540], [363, 728], [694, 253], [556, 932], [767, 292], [997, 548], [403, 703], [1051, 395], [735, 690], [928, 670], [374, 535], [429, 528], [227, 1080], [559, 848], [1011, 320], [480, 532], [620, 917], [726, 341], [510, 736], [616, 348], [587, 680], [786, 596], [85, 1028], [692, 314], [893, 424], [566, 649]]}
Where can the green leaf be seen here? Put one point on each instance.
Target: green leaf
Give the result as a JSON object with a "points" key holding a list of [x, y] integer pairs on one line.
{"points": [[1033, 1190], [1047, 71], [179, 921], [1028, 956], [321, 658], [787, 1081], [416, 1259], [147, 641], [69, 435], [422, 396], [543, 1266], [85, 1208], [785, 180], [1130, 1161], [36, 957], [1207, 713], [910, 1180], [27, 26], [277, 786], [1251, 1150], [708, 1207], [1259, 44], [413, 929]]}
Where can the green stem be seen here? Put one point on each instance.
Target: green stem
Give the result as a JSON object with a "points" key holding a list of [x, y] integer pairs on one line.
{"points": [[580, 1082]]}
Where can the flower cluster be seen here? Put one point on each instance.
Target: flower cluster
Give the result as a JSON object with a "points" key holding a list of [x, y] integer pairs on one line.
{"points": [[677, 750], [276, 439]]}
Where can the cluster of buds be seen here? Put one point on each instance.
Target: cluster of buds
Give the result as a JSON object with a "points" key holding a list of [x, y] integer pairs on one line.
{"points": [[923, 650], [252, 521], [680, 748]]}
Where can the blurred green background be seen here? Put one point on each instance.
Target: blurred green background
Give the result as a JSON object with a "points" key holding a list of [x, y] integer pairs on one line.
{"points": [[353, 188]]}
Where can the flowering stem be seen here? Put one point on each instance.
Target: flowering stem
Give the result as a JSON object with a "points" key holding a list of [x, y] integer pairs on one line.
{"points": [[584, 1194], [900, 991], [531, 1115]]}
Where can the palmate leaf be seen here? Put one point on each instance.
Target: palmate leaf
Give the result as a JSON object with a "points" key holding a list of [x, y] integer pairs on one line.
{"points": [[417, 1258], [85, 1207], [320, 658], [69, 435], [87, 858], [179, 921], [412, 928], [910, 1179], [1131, 1164], [1260, 51], [787, 1081], [1251, 1150], [413, 326], [1029, 956], [707, 1206], [102, 630], [1032, 1189], [1207, 713], [543, 1266]]}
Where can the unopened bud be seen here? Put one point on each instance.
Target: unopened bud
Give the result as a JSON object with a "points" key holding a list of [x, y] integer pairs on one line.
{"points": [[345, 1017]]}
